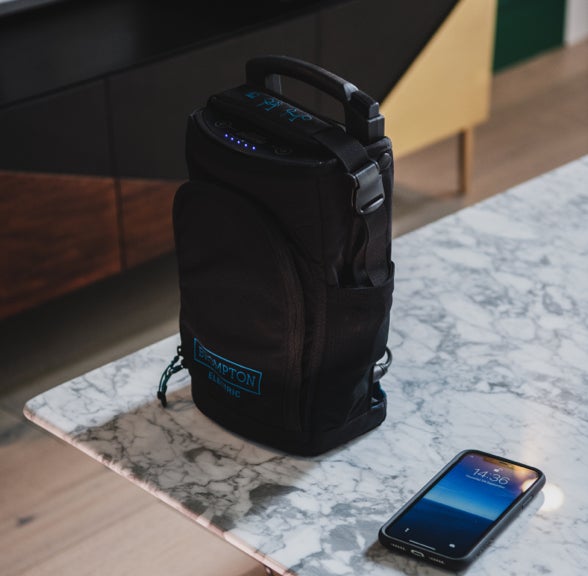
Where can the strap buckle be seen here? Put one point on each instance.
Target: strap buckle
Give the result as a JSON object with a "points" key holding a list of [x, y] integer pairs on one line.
{"points": [[368, 189]]}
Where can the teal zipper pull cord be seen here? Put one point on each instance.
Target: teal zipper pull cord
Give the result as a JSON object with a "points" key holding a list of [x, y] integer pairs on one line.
{"points": [[171, 369]]}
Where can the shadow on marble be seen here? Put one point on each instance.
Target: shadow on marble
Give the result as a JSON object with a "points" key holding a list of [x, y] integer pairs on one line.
{"points": [[214, 475]]}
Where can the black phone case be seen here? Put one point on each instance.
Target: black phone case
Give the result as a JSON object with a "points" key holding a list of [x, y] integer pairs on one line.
{"points": [[447, 562]]}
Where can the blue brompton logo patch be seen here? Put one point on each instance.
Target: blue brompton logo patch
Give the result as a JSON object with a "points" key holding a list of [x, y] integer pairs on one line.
{"points": [[232, 377]]}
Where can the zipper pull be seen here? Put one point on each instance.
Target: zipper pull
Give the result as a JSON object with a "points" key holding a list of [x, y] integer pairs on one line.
{"points": [[171, 369]]}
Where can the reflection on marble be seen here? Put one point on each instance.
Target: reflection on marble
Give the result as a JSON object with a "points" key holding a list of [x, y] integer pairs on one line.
{"points": [[490, 338]]}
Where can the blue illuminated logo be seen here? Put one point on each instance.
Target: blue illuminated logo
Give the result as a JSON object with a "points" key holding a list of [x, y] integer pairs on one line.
{"points": [[293, 114], [270, 103]]}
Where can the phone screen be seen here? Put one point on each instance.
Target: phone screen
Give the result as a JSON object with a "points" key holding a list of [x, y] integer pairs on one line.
{"points": [[454, 514]]}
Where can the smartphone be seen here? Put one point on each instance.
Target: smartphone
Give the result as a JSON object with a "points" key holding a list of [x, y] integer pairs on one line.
{"points": [[460, 511]]}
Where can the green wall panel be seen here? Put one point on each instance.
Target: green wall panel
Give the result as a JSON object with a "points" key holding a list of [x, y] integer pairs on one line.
{"points": [[525, 28]]}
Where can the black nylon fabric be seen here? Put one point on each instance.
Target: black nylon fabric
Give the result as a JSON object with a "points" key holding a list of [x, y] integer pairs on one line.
{"points": [[280, 330]]}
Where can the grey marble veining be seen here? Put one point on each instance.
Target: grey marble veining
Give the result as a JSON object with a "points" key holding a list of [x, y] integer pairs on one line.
{"points": [[490, 339]]}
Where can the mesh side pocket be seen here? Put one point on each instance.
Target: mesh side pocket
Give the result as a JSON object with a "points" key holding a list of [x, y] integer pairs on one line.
{"points": [[358, 320]]}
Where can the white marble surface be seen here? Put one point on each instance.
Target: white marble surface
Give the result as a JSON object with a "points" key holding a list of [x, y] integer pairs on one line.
{"points": [[490, 339]]}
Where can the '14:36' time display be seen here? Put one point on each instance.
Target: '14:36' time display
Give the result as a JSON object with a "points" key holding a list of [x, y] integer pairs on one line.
{"points": [[494, 476]]}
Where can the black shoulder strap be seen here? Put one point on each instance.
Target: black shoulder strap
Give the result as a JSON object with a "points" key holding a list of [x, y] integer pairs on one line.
{"points": [[368, 197]]}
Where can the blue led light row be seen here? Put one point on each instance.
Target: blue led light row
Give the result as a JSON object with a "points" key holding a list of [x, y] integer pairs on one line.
{"points": [[239, 141]]}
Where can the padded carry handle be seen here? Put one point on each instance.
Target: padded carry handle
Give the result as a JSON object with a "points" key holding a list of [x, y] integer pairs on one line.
{"points": [[362, 113]]}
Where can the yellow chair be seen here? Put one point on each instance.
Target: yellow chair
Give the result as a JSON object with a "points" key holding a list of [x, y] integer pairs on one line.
{"points": [[446, 90]]}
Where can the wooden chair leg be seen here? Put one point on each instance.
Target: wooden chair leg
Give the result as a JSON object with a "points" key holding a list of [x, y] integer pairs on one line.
{"points": [[466, 159]]}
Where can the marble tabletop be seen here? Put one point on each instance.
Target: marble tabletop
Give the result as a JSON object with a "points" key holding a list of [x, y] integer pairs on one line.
{"points": [[490, 339]]}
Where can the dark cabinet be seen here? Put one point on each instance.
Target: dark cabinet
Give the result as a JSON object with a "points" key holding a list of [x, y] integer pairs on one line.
{"points": [[58, 205], [57, 232], [373, 42], [88, 173]]}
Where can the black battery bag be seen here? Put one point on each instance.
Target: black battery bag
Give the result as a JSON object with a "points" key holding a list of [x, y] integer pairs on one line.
{"points": [[283, 241]]}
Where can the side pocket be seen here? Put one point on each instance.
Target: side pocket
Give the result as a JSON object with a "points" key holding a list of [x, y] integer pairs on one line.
{"points": [[358, 321], [242, 312]]}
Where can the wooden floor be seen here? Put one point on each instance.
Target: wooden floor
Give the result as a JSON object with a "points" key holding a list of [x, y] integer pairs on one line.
{"points": [[62, 514]]}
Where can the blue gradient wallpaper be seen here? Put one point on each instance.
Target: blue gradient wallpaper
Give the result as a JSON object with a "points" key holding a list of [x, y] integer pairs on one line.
{"points": [[463, 504]]}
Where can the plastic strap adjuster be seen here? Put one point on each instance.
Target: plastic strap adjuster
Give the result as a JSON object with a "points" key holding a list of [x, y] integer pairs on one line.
{"points": [[368, 189]]}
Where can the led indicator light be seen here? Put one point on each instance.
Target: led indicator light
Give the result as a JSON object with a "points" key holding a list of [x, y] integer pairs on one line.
{"points": [[240, 142]]}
